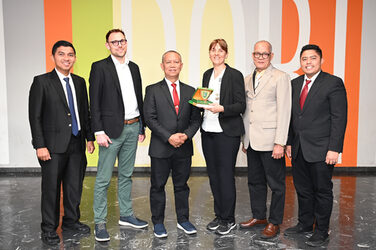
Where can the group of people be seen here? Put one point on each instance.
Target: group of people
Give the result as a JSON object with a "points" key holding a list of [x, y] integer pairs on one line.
{"points": [[265, 112]]}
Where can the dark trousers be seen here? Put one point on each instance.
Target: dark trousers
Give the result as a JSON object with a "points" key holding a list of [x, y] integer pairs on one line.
{"points": [[263, 170], [160, 171], [220, 153], [67, 168], [314, 187]]}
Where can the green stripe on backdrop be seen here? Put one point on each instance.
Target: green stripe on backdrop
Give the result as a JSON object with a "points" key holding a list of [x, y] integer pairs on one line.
{"points": [[91, 19]]}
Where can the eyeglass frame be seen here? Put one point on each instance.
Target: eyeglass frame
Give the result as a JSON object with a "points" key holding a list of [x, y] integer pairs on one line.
{"points": [[262, 55], [117, 43]]}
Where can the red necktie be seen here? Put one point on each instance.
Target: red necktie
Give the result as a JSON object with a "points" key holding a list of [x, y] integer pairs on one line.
{"points": [[304, 94], [176, 97]]}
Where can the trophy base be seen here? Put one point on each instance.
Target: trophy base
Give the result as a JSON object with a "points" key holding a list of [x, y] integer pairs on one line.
{"points": [[202, 104]]}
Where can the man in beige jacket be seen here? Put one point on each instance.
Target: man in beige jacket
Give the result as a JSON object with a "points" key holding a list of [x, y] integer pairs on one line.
{"points": [[266, 122]]}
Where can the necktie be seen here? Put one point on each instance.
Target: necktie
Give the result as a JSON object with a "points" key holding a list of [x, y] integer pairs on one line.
{"points": [[304, 94], [71, 107], [176, 97]]}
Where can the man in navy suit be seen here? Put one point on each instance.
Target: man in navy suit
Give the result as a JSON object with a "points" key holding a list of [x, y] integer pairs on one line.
{"points": [[60, 126], [117, 115], [173, 123], [317, 130]]}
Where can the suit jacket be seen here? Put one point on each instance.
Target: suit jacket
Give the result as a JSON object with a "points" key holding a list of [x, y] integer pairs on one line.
{"points": [[232, 98], [49, 114], [106, 100], [161, 118], [321, 125], [267, 116]]}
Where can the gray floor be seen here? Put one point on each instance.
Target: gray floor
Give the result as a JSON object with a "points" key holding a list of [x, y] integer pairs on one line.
{"points": [[353, 220]]}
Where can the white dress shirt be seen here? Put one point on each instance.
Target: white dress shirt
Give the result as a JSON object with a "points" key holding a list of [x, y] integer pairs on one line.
{"points": [[313, 78], [172, 89], [211, 122], [127, 89], [63, 83]]}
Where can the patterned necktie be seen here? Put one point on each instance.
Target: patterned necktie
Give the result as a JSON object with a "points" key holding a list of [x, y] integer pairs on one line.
{"points": [[304, 94], [176, 97], [71, 107]]}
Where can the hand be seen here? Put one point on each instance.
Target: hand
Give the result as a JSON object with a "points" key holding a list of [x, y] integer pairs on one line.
{"points": [[331, 158], [90, 147], [215, 108], [103, 140], [244, 150], [288, 151], [278, 151], [141, 138], [177, 139], [43, 154]]}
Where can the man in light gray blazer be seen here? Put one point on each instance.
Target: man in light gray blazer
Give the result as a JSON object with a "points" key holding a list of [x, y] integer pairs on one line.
{"points": [[266, 123]]}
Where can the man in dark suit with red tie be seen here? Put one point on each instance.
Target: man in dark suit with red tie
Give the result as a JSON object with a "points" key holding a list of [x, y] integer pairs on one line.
{"points": [[60, 126], [317, 130], [173, 123]]}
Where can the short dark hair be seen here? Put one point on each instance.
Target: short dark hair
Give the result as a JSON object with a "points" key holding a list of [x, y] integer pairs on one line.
{"points": [[311, 47], [114, 31], [62, 43]]}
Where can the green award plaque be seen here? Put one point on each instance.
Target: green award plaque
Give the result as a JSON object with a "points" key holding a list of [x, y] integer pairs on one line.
{"points": [[200, 97]]}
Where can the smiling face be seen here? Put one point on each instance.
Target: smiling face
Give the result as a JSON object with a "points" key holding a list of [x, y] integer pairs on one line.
{"points": [[217, 55], [64, 59], [171, 65], [310, 62], [262, 55], [118, 50]]}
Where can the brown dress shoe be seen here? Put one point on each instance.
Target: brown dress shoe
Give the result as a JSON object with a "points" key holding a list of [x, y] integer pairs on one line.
{"points": [[252, 222], [270, 231]]}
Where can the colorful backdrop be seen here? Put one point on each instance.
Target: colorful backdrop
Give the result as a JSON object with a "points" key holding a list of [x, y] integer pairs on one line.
{"points": [[342, 28]]}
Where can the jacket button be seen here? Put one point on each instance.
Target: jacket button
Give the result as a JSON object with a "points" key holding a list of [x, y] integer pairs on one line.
{"points": [[70, 125], [68, 114]]}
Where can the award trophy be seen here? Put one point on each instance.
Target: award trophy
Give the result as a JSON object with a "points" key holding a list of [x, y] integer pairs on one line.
{"points": [[200, 97]]}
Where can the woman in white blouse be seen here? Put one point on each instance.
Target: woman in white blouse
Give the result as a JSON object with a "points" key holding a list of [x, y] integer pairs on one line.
{"points": [[221, 130]]}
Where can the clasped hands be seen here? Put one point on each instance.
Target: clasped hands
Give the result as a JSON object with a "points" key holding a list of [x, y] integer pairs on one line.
{"points": [[215, 108], [177, 139]]}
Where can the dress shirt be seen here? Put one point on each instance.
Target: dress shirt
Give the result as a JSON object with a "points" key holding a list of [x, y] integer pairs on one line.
{"points": [[313, 78], [258, 76], [127, 89], [64, 85], [172, 89], [211, 122]]}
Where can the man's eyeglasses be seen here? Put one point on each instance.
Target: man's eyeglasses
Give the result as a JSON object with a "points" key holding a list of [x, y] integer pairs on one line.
{"points": [[261, 55], [118, 42]]}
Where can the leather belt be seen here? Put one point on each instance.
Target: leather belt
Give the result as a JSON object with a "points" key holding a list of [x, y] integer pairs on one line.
{"points": [[131, 121]]}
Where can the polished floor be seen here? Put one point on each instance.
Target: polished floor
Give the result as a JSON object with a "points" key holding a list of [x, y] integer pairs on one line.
{"points": [[353, 221]]}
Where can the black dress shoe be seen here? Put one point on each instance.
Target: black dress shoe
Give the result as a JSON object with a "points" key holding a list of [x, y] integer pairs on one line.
{"points": [[77, 227], [318, 239], [50, 238], [298, 229]]}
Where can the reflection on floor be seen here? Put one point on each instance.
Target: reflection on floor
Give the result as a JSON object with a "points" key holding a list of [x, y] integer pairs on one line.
{"points": [[352, 223]]}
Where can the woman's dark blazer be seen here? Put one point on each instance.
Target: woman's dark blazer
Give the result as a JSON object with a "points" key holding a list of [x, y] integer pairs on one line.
{"points": [[232, 98]]}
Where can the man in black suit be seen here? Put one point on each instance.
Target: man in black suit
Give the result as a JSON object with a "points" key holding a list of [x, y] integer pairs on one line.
{"points": [[117, 114], [60, 123], [173, 123], [317, 130]]}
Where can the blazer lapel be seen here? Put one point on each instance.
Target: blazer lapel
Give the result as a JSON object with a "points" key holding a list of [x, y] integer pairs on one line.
{"points": [[133, 73], [264, 79], [112, 70], [249, 87], [55, 81], [184, 98], [313, 90], [78, 92], [167, 94]]}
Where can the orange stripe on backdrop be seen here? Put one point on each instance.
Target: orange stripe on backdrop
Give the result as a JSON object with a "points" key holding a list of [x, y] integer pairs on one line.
{"points": [[57, 25], [290, 30], [352, 79]]}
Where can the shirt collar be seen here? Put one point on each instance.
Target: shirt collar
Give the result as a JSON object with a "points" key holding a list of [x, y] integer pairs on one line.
{"points": [[116, 61], [169, 82], [62, 76], [313, 78]]}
